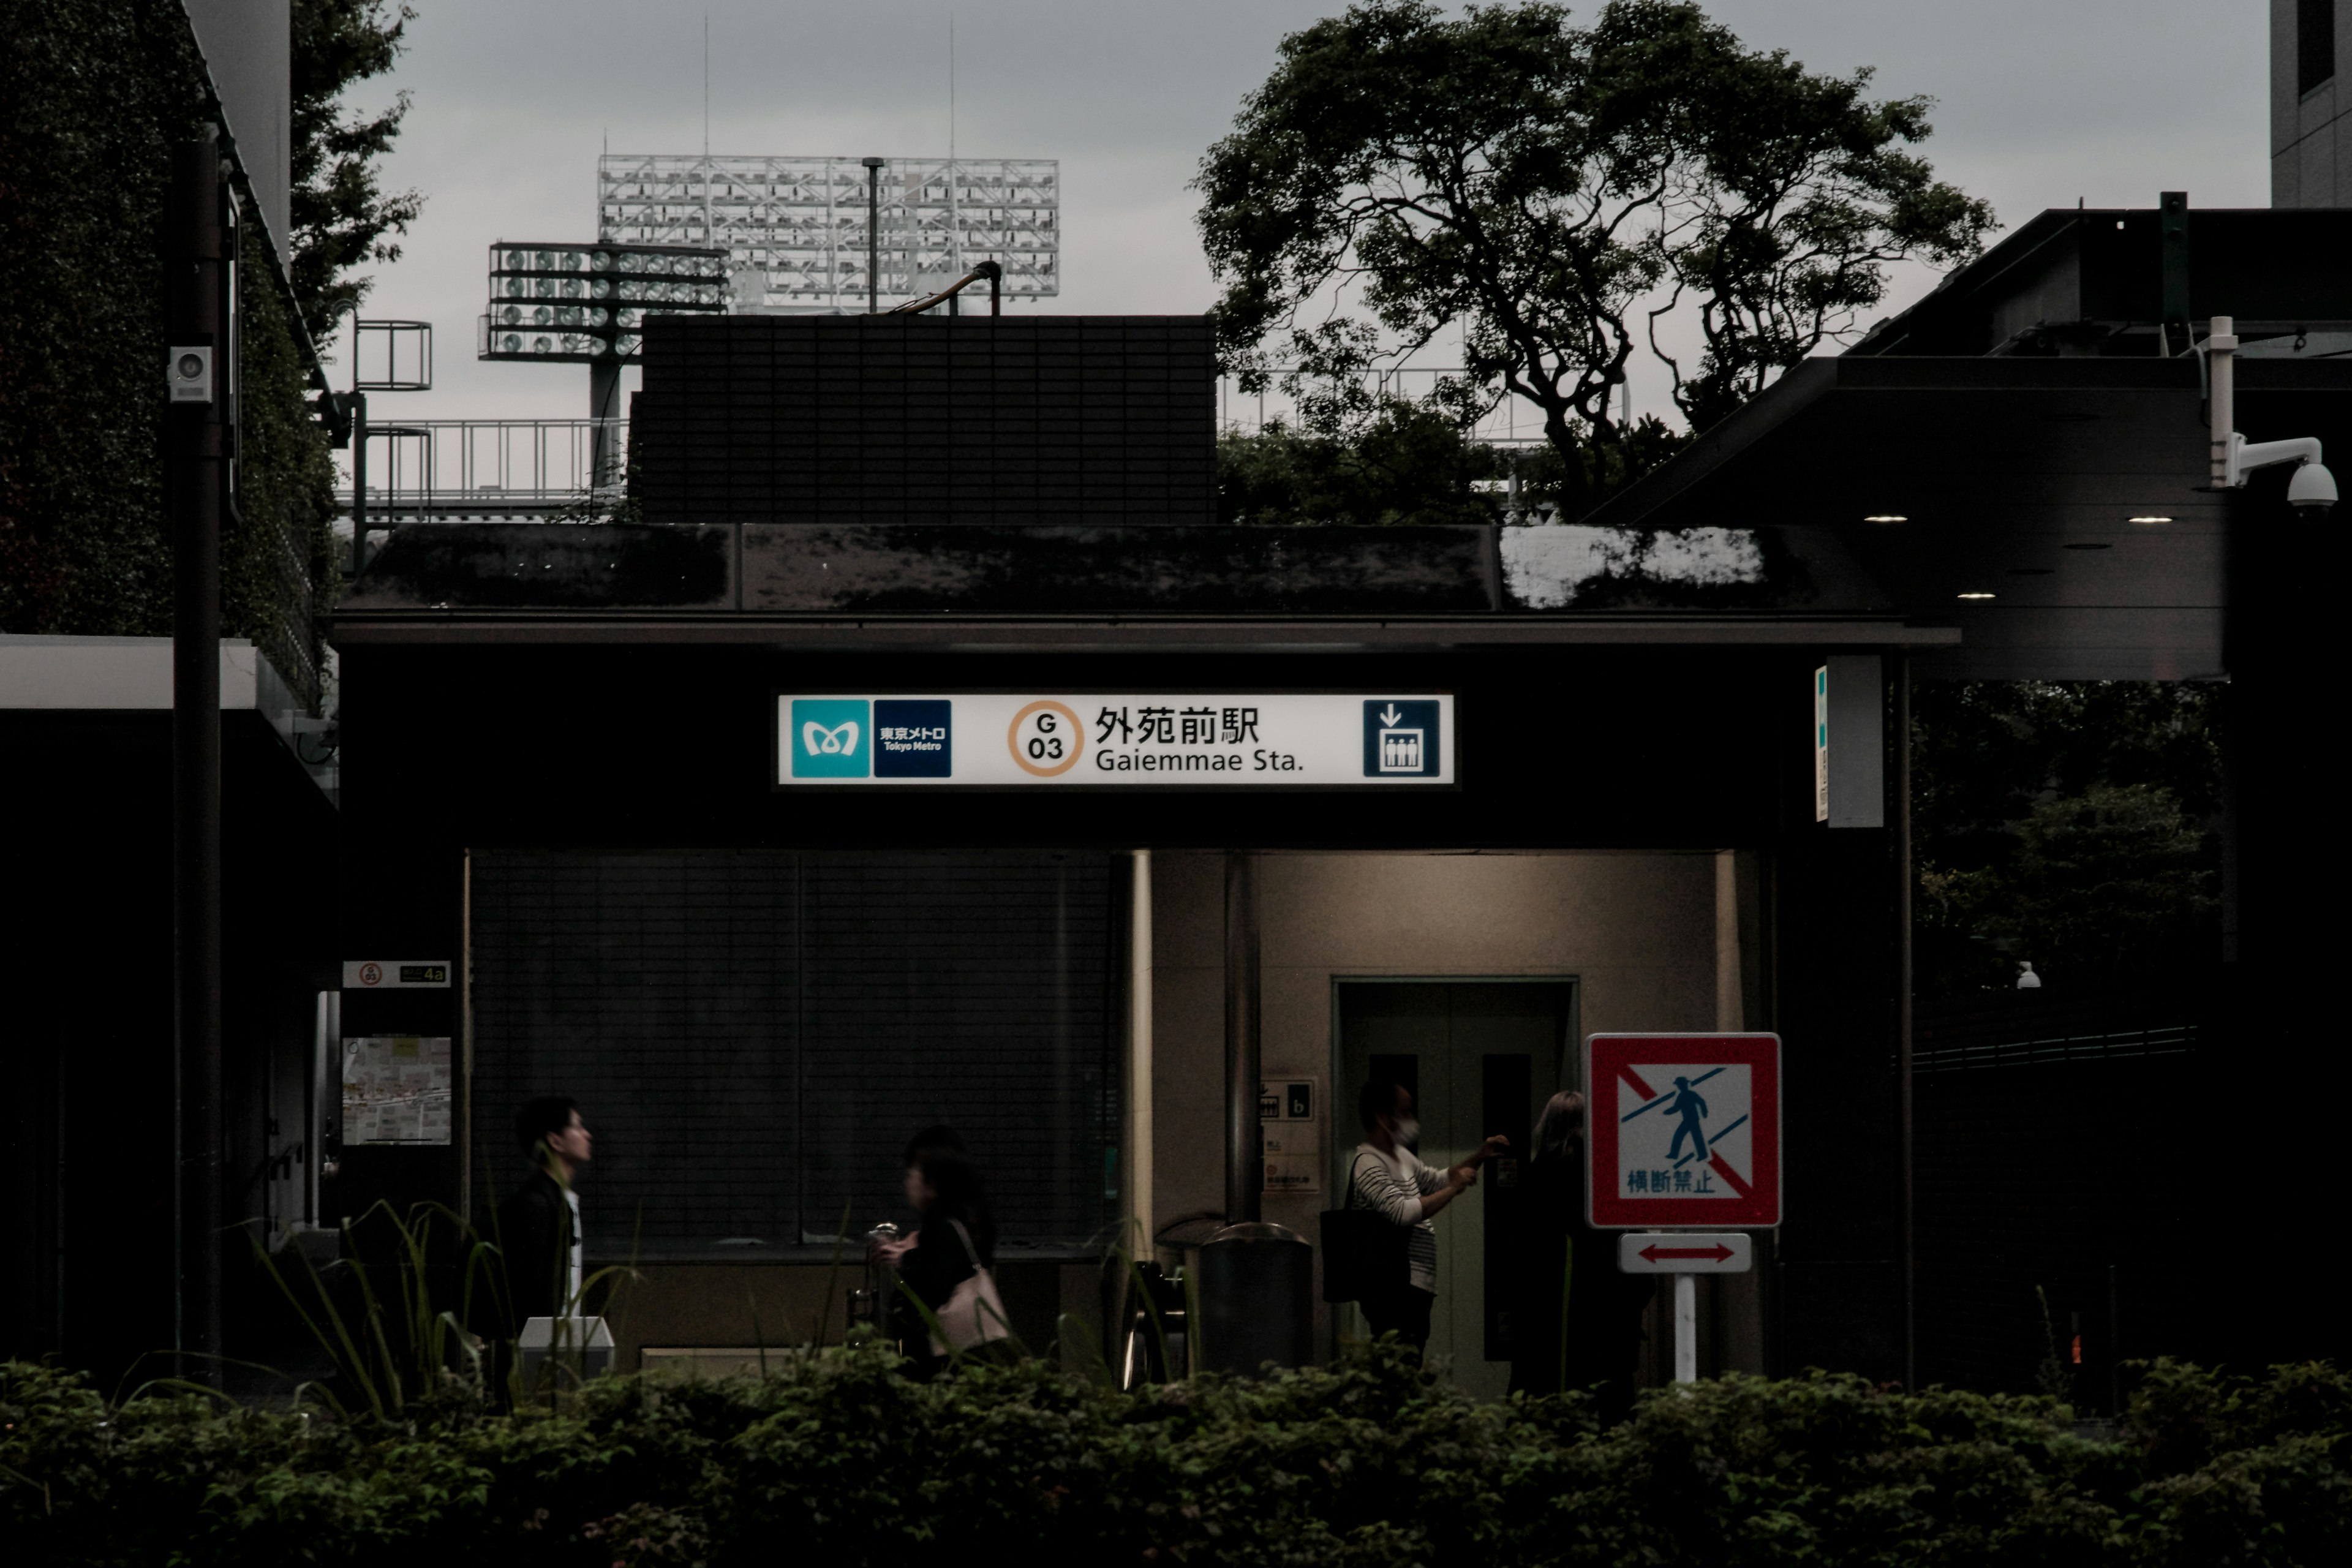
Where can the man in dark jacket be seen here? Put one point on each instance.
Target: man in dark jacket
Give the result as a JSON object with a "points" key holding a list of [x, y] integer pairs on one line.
{"points": [[539, 1224]]}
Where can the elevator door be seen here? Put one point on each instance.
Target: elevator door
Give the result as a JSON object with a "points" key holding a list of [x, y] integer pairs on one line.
{"points": [[1480, 1058]]}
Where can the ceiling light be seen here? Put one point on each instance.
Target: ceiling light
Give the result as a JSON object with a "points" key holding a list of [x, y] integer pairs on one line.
{"points": [[2151, 518], [1976, 596], [1886, 517]]}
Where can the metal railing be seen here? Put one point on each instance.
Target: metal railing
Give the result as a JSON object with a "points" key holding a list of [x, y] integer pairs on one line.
{"points": [[486, 467]]}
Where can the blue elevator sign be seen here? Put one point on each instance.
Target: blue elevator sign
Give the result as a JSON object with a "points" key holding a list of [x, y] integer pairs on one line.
{"points": [[1401, 739]]}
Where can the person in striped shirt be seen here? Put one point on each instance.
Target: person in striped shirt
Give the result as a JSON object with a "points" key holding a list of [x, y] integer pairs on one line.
{"points": [[1389, 1178]]}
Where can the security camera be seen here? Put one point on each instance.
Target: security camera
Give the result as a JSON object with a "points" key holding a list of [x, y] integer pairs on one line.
{"points": [[2312, 491]]}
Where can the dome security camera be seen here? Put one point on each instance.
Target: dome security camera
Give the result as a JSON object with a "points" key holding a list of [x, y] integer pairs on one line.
{"points": [[2311, 492]]}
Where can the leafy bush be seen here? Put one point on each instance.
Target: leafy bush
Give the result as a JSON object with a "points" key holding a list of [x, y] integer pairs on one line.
{"points": [[836, 1459]]}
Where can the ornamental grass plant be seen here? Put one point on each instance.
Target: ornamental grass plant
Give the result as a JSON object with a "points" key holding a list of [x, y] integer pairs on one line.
{"points": [[834, 1457]]}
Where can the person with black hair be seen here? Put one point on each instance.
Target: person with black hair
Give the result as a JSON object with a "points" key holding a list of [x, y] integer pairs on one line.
{"points": [[1577, 1316], [539, 1224], [1387, 1177], [949, 1263]]}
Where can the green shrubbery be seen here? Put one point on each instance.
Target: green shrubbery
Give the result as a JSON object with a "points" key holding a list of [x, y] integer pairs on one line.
{"points": [[835, 1458]]}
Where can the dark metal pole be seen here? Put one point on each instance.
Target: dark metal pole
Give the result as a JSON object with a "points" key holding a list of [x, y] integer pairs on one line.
{"points": [[1902, 871], [358, 482], [1244, 1140], [604, 408], [874, 235], [194, 476]]}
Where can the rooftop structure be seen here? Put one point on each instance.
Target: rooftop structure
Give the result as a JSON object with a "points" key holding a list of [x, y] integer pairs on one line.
{"points": [[825, 234]]}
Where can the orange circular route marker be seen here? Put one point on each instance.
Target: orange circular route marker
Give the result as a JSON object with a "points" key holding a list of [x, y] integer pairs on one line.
{"points": [[1077, 739]]}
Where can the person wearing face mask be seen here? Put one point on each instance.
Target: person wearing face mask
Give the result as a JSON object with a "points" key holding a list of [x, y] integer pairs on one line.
{"points": [[1387, 1177]]}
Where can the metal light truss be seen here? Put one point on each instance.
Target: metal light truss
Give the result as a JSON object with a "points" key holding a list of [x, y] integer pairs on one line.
{"points": [[799, 226], [588, 302]]}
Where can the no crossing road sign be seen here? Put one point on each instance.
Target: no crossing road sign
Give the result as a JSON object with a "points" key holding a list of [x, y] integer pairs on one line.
{"points": [[1686, 1131]]}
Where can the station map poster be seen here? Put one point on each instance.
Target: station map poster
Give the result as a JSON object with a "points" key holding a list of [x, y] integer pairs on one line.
{"points": [[1290, 1118], [396, 1088], [1150, 740]]}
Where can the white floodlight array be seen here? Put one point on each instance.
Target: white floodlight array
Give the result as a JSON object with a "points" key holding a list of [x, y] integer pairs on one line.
{"points": [[796, 229], [589, 301]]}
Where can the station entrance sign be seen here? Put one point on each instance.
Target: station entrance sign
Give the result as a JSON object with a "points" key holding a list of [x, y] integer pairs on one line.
{"points": [[1686, 1131], [1147, 739]]}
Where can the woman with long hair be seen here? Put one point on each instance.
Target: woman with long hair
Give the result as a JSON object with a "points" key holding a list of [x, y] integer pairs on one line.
{"points": [[948, 1262], [1579, 1322]]}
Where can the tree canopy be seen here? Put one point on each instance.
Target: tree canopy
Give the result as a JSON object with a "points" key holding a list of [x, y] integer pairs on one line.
{"points": [[2072, 825], [1566, 194], [342, 216]]}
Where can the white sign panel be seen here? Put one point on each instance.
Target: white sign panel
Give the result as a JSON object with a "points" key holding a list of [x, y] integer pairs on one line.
{"points": [[1685, 1252], [1073, 740], [396, 975], [1290, 1119]]}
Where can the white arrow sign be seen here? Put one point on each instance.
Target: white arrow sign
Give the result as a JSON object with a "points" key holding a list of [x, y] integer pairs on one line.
{"points": [[1389, 715], [1685, 1252]]}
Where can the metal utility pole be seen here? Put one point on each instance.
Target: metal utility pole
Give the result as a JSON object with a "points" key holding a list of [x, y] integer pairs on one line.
{"points": [[604, 409], [873, 234], [1245, 1139], [359, 472], [198, 245]]}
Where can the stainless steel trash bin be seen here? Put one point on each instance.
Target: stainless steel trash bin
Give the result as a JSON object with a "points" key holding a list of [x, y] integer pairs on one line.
{"points": [[1256, 1298]]}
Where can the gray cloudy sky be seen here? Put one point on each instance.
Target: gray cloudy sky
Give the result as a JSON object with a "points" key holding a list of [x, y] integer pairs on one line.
{"points": [[2040, 101]]}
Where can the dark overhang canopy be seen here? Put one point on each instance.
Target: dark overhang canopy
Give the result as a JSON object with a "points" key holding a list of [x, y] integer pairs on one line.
{"points": [[2016, 472]]}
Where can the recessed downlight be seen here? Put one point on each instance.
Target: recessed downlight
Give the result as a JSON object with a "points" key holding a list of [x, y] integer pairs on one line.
{"points": [[2151, 517], [1886, 517], [1976, 595]]}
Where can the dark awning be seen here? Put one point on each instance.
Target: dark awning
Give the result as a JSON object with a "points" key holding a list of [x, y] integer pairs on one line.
{"points": [[2017, 478]]}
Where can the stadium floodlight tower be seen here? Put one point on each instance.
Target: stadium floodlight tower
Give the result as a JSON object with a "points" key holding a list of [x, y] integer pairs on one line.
{"points": [[798, 235], [587, 304]]}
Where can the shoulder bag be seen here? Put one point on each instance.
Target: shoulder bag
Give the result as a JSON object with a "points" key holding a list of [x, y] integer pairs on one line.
{"points": [[973, 1315], [1363, 1253]]}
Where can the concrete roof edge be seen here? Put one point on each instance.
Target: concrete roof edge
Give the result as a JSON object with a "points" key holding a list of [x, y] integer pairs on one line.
{"points": [[445, 628]]}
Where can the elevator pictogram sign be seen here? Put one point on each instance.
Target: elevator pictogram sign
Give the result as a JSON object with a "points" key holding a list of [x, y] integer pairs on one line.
{"points": [[1685, 1131]]}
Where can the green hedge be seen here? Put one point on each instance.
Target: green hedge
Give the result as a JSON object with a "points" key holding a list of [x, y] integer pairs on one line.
{"points": [[97, 93], [838, 1459]]}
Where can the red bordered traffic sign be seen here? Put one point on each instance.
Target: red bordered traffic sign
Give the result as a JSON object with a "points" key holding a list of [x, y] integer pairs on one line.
{"points": [[1686, 1131]]}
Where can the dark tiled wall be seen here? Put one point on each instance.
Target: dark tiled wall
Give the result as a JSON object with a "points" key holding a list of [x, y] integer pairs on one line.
{"points": [[754, 1035], [1007, 419]]}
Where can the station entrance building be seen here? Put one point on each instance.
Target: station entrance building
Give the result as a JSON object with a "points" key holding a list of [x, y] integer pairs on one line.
{"points": [[1668, 794]]}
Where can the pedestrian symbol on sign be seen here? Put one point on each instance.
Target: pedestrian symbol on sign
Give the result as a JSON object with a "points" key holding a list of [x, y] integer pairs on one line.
{"points": [[1692, 1109]]}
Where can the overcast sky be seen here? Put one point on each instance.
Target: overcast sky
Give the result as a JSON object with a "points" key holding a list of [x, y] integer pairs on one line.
{"points": [[2041, 102]]}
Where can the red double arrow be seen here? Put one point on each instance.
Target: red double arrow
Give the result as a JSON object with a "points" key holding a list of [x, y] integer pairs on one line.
{"points": [[1717, 1252]]}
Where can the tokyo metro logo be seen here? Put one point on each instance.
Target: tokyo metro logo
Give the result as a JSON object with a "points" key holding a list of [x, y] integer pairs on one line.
{"points": [[832, 738]]}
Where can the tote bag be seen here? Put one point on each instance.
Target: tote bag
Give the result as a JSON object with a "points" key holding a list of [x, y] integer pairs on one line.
{"points": [[1363, 1253], [973, 1314]]}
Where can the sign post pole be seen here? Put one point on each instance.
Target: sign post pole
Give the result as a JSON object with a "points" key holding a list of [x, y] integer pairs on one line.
{"points": [[1685, 1328]]}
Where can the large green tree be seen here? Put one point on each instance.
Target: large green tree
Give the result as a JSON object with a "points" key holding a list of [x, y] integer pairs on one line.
{"points": [[1565, 193], [2070, 824], [343, 216]]}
